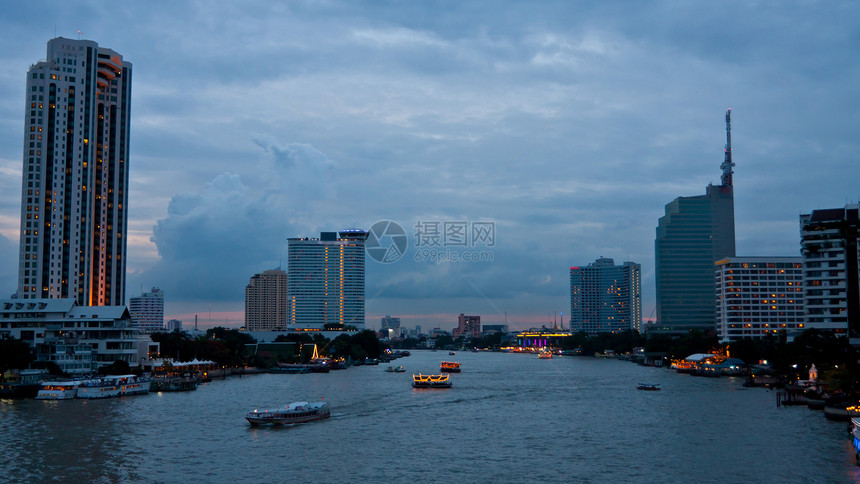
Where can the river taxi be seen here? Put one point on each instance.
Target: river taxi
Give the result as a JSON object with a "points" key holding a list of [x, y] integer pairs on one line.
{"points": [[296, 412], [113, 386], [545, 355], [450, 367], [430, 381]]}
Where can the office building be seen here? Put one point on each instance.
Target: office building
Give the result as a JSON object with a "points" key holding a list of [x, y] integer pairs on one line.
{"points": [[147, 311], [694, 233], [605, 298], [266, 301], [468, 326], [830, 262], [174, 325], [75, 175], [388, 322], [326, 280], [757, 296]]}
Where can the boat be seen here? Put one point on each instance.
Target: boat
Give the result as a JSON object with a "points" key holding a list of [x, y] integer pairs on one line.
{"points": [[113, 386], [855, 437], [292, 413], [21, 384], [841, 412], [648, 386], [395, 369], [451, 353], [430, 381], [58, 390], [371, 361], [545, 355], [175, 384], [450, 367]]}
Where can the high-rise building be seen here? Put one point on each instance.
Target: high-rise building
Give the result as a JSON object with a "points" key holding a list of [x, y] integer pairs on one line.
{"points": [[605, 298], [694, 233], [388, 322], [147, 311], [468, 326], [830, 263], [266, 301], [74, 189], [326, 280], [174, 325], [757, 296]]}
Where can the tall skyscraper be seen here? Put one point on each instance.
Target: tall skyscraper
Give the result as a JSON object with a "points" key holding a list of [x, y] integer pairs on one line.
{"points": [[266, 301], [694, 233], [605, 298], [326, 280], [831, 276], [75, 176], [147, 311]]}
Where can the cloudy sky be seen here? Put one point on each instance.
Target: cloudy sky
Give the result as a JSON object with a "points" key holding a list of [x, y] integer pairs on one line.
{"points": [[567, 125]]}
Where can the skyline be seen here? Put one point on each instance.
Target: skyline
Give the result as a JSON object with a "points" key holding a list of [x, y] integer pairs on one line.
{"points": [[567, 126]]}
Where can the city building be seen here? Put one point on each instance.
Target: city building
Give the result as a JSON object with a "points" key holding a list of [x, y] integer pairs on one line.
{"points": [[469, 326], [605, 298], [325, 286], [174, 325], [830, 262], [266, 301], [757, 296], [495, 328], [74, 189], [694, 233], [147, 311], [388, 322], [79, 339]]}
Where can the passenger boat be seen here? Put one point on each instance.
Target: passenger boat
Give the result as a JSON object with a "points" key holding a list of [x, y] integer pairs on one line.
{"points": [[113, 386], [58, 390], [545, 355], [430, 381], [21, 384], [855, 437], [450, 367], [175, 384], [296, 412], [395, 369], [648, 386]]}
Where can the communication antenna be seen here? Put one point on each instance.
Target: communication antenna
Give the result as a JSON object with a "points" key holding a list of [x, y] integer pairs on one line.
{"points": [[726, 178]]}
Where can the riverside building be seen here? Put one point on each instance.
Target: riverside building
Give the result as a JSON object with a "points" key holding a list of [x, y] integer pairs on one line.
{"points": [[694, 233], [757, 296], [468, 326], [266, 301], [147, 311], [74, 189], [325, 281], [605, 298]]}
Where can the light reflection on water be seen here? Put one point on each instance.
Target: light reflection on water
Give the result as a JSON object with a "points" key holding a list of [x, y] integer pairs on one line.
{"points": [[508, 418]]}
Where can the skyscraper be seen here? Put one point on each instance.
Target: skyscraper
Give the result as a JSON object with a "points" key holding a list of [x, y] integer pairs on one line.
{"points": [[831, 276], [266, 301], [147, 311], [326, 280], [694, 233], [605, 298], [75, 175]]}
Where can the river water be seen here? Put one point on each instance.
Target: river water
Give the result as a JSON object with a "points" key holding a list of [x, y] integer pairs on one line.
{"points": [[507, 418]]}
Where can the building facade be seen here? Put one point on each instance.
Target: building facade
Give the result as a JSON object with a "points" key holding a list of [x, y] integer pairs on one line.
{"points": [[389, 322], [605, 298], [830, 259], [325, 285], [147, 311], [694, 233], [757, 296], [266, 301], [74, 189], [469, 326]]}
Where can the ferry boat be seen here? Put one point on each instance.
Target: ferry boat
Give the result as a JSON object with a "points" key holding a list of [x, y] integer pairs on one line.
{"points": [[296, 412], [58, 390], [113, 386], [430, 381], [395, 369], [545, 355], [450, 367], [21, 383]]}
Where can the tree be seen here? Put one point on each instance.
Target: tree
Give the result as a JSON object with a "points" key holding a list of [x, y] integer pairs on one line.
{"points": [[14, 354]]}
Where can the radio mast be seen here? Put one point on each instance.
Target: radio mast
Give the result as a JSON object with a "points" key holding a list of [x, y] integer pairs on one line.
{"points": [[726, 178]]}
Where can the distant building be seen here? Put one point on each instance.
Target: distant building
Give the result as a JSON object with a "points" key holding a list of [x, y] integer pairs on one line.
{"points": [[832, 280], [74, 190], [388, 322], [326, 280], [757, 296], [469, 326], [694, 233], [495, 328], [605, 298], [266, 306], [174, 325], [147, 311]]}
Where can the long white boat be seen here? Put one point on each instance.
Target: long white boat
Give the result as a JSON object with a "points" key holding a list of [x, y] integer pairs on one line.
{"points": [[113, 386], [296, 412], [58, 390]]}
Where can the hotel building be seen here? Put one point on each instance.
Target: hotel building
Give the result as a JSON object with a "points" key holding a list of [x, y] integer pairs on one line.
{"points": [[757, 296], [830, 258], [325, 281], [147, 311], [605, 298], [75, 175], [266, 301], [469, 326]]}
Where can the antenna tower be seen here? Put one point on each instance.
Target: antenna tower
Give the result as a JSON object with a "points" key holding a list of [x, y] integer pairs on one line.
{"points": [[726, 178]]}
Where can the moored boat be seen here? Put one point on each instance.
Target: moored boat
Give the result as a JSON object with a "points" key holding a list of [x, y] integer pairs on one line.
{"points": [[292, 413], [430, 381], [450, 367], [21, 384], [395, 369], [113, 386], [58, 390]]}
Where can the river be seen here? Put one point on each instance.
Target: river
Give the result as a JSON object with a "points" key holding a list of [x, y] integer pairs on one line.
{"points": [[507, 418]]}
